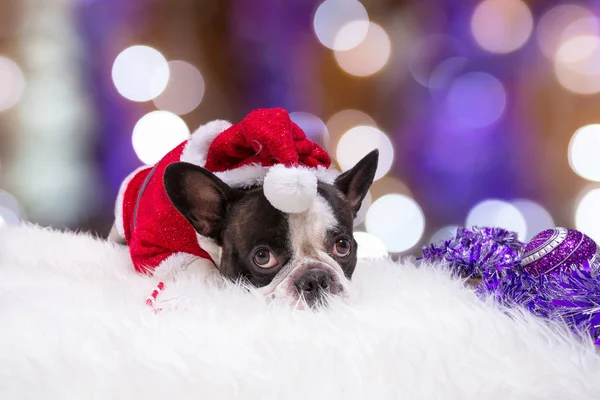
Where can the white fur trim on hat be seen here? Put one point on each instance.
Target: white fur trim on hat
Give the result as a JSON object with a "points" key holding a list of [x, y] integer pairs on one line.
{"points": [[244, 177], [291, 190], [254, 175], [119, 223], [196, 149]]}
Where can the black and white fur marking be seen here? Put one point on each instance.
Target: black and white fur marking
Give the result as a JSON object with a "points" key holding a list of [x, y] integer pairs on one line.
{"points": [[243, 224]]}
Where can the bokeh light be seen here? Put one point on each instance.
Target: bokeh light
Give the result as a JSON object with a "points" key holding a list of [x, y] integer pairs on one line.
{"points": [[445, 72], [444, 233], [387, 185], [140, 73], [370, 56], [358, 142], [351, 35], [157, 133], [584, 152], [536, 217], [501, 26], [587, 214], [577, 64], [476, 100], [369, 246], [8, 217], [397, 220], [498, 213], [364, 207], [342, 121], [560, 23], [313, 126], [12, 83], [184, 90], [8, 201], [341, 24], [430, 52]]}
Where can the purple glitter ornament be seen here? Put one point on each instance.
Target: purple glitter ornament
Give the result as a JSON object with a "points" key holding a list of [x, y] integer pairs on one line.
{"points": [[558, 250]]}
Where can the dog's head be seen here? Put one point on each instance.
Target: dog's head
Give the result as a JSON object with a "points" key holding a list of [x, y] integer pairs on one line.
{"points": [[297, 257]]}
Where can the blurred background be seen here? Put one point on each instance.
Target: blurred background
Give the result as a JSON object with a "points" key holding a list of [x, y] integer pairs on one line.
{"points": [[485, 112]]}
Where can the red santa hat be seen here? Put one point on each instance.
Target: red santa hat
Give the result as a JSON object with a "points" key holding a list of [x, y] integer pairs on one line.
{"points": [[266, 148]]}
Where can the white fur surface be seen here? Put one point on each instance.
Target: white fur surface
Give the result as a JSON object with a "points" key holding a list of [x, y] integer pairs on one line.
{"points": [[75, 326]]}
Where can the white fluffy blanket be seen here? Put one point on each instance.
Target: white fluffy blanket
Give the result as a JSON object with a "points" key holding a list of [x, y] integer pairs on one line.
{"points": [[75, 326]]}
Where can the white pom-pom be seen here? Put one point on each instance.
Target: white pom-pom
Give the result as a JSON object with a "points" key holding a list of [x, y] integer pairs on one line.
{"points": [[291, 190]]}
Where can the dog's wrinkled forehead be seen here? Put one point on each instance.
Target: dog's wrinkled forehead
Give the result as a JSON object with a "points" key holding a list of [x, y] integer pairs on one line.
{"points": [[310, 231]]}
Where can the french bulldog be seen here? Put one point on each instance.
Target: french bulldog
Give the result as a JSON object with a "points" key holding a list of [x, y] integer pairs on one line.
{"points": [[301, 258]]}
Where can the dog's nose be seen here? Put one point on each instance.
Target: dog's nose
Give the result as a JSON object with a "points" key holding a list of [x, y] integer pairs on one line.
{"points": [[313, 284], [314, 280]]}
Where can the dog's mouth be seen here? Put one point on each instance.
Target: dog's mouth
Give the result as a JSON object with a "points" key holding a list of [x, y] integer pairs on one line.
{"points": [[310, 286]]}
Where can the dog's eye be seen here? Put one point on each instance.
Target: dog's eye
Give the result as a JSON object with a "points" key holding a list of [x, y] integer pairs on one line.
{"points": [[341, 248], [264, 259]]}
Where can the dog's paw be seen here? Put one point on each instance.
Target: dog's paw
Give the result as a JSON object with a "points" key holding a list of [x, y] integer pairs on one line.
{"points": [[206, 271]]}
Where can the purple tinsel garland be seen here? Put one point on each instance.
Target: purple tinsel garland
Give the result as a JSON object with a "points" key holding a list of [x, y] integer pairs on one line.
{"points": [[494, 256], [478, 251]]}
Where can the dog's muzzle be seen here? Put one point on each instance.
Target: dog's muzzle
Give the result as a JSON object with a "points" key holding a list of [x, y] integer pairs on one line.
{"points": [[315, 285]]}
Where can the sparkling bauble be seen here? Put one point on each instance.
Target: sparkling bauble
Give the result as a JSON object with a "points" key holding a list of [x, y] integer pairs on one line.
{"points": [[558, 250]]}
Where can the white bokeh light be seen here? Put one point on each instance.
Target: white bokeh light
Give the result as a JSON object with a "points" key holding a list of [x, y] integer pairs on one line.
{"points": [[342, 121], [369, 246], [577, 64], [536, 217], [351, 35], [444, 233], [364, 207], [10, 202], [157, 133], [583, 152], [8, 217], [397, 220], [140, 73], [587, 214], [12, 83], [560, 23], [346, 119], [498, 213], [348, 17], [358, 142], [501, 26], [184, 90], [370, 56]]}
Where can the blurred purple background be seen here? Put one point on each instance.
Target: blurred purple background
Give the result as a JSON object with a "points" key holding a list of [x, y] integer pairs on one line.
{"points": [[485, 112]]}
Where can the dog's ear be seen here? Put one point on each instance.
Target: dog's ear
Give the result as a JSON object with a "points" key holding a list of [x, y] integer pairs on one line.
{"points": [[199, 196], [355, 182]]}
